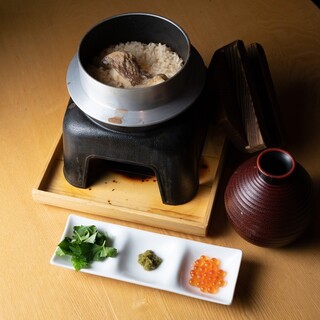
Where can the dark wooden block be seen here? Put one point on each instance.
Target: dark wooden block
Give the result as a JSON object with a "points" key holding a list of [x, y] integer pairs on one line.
{"points": [[244, 96]]}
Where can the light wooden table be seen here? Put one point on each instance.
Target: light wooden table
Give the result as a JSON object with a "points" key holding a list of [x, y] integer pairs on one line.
{"points": [[37, 42]]}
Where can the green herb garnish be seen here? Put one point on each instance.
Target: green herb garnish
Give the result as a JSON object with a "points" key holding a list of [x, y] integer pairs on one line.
{"points": [[86, 245]]}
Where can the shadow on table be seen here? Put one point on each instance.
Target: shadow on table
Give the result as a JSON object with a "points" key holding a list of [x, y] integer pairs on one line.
{"points": [[219, 224], [247, 279]]}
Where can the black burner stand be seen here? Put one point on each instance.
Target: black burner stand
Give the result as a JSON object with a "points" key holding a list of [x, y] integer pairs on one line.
{"points": [[172, 150]]}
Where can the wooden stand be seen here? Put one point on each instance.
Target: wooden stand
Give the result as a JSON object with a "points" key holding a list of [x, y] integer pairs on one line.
{"points": [[122, 197]]}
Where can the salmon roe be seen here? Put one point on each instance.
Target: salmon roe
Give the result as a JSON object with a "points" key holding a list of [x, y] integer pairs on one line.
{"points": [[206, 275]]}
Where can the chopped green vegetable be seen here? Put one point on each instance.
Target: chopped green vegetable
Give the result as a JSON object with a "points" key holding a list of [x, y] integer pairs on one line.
{"points": [[149, 260], [86, 245]]}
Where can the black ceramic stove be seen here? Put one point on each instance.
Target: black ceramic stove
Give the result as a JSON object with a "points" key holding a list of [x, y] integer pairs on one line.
{"points": [[172, 149]]}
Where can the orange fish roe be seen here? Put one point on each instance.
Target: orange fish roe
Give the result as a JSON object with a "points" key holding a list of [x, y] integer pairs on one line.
{"points": [[206, 275]]}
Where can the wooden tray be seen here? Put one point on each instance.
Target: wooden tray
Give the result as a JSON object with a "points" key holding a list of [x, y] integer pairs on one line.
{"points": [[122, 197]]}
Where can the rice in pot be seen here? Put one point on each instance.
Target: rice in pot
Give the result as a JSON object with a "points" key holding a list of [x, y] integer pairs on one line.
{"points": [[135, 64]]}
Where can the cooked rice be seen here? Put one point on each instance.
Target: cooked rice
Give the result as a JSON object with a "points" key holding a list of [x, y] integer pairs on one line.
{"points": [[152, 58]]}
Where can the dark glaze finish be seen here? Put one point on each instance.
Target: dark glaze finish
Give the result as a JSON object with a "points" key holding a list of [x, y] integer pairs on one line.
{"points": [[267, 207], [172, 150]]}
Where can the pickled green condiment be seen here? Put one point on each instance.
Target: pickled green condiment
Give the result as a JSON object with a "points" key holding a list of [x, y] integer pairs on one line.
{"points": [[149, 260]]}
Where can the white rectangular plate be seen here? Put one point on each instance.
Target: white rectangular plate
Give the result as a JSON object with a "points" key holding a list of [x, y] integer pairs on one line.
{"points": [[177, 254]]}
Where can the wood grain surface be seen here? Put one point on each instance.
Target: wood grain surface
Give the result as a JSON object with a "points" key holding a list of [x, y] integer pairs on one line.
{"points": [[37, 41]]}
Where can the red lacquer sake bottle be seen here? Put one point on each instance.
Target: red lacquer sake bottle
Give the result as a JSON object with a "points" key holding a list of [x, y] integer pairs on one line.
{"points": [[269, 199]]}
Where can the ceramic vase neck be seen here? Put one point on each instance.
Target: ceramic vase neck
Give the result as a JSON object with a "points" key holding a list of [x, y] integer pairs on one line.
{"points": [[275, 166]]}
